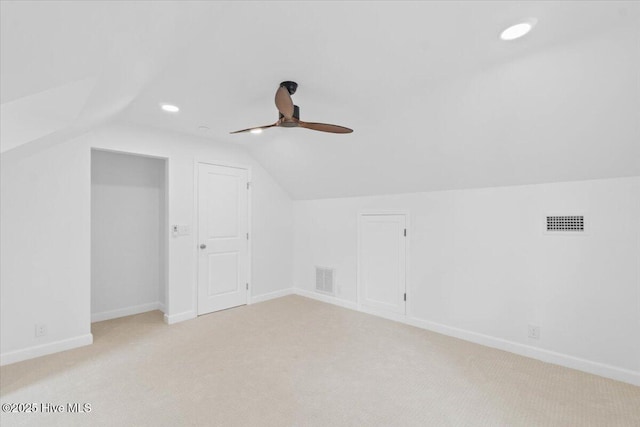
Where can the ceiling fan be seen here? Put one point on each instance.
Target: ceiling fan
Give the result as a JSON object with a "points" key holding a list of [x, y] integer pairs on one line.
{"points": [[289, 116]]}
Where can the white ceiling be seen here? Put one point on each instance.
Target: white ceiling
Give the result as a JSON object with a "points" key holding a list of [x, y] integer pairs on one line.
{"points": [[435, 99]]}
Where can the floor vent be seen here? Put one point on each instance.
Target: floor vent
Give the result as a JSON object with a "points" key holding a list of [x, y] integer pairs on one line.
{"points": [[565, 224], [324, 280]]}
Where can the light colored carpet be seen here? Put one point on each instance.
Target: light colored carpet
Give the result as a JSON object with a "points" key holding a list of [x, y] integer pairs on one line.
{"points": [[298, 362]]}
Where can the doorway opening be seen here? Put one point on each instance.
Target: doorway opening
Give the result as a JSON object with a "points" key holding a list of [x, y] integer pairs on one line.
{"points": [[129, 249]]}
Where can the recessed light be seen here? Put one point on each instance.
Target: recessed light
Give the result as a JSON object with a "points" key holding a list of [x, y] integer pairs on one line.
{"points": [[169, 108], [518, 30], [256, 130]]}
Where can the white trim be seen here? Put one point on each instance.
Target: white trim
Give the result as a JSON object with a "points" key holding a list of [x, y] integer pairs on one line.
{"points": [[195, 239], [250, 231], [326, 298], [584, 365], [271, 295], [180, 317], [396, 317], [126, 311], [44, 349], [596, 368], [167, 236]]}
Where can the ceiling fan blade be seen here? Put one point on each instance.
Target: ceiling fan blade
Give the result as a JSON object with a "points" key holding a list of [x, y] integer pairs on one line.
{"points": [[284, 102], [257, 127], [323, 127]]}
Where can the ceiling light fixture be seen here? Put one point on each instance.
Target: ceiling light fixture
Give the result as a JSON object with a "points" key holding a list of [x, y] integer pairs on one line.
{"points": [[169, 108], [256, 131], [518, 30]]}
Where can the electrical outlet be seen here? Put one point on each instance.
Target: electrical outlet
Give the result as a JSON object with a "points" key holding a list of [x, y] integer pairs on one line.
{"points": [[41, 330], [534, 332]]}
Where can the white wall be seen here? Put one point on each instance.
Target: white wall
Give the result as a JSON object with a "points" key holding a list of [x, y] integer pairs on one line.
{"points": [[45, 216], [128, 229], [480, 266], [44, 254]]}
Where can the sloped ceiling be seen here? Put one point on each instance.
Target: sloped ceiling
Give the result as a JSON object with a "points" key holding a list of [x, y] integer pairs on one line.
{"points": [[68, 66], [436, 100]]}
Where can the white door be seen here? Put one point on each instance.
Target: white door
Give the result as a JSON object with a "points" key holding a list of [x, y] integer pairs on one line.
{"points": [[223, 225], [382, 262]]}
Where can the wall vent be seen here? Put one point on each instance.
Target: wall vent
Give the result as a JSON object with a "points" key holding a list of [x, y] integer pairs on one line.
{"points": [[325, 280], [565, 224]]}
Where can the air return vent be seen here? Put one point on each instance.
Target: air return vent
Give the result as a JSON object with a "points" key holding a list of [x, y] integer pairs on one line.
{"points": [[325, 280], [565, 224]]}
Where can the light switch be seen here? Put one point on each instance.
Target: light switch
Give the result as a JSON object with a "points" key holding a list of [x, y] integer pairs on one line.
{"points": [[180, 230]]}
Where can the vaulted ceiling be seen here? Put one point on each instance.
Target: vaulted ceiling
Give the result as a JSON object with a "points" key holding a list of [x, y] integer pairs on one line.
{"points": [[435, 98]]}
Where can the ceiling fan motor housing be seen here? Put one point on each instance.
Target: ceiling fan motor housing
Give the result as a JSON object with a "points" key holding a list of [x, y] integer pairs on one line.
{"points": [[291, 124]]}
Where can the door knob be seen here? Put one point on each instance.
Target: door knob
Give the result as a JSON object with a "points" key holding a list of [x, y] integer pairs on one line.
{"points": [[203, 246]]}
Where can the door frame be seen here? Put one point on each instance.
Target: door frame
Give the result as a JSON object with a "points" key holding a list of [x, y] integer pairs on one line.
{"points": [[407, 281], [196, 253]]}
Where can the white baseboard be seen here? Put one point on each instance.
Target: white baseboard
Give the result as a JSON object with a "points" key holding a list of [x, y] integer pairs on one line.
{"points": [[390, 316], [127, 311], [596, 368], [326, 298], [44, 349], [271, 295], [180, 317], [187, 315]]}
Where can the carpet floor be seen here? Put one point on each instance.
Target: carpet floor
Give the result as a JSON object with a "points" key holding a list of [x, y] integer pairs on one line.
{"points": [[298, 362]]}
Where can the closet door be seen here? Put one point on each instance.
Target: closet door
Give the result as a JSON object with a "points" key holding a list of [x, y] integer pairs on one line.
{"points": [[223, 225], [382, 262]]}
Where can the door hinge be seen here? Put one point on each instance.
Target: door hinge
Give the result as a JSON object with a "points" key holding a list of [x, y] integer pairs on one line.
{"points": [[405, 232], [405, 296], [247, 236], [248, 185], [247, 286]]}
